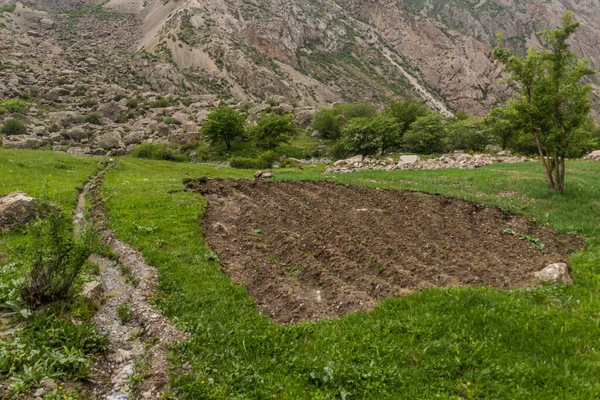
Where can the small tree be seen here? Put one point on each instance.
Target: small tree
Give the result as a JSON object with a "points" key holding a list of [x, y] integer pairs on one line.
{"points": [[359, 136], [470, 134], [426, 135], [552, 104], [273, 130], [327, 124], [406, 112], [501, 123], [224, 124]]}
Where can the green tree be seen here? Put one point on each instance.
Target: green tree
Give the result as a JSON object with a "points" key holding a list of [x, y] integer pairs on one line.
{"points": [[500, 122], [330, 121], [224, 124], [359, 136], [426, 135], [470, 134], [273, 130], [406, 112], [327, 123], [552, 104], [388, 129]]}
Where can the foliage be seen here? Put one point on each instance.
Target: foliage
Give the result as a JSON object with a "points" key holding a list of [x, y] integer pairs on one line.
{"points": [[156, 151], [552, 104], [426, 135], [469, 134], [329, 121], [160, 102], [264, 161], [272, 131], [92, 118], [13, 126], [406, 112], [171, 121], [224, 124], [502, 127], [124, 312], [54, 256], [368, 135], [13, 106]]}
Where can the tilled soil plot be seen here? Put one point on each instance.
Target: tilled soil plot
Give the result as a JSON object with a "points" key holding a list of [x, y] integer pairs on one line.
{"points": [[307, 250]]}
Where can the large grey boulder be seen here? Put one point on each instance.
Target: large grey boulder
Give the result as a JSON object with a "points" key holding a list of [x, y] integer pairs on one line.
{"points": [[76, 133], [111, 140], [16, 209], [135, 137], [110, 110]]}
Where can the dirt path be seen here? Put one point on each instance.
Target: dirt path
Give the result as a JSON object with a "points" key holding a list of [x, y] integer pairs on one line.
{"points": [[308, 250], [141, 338]]}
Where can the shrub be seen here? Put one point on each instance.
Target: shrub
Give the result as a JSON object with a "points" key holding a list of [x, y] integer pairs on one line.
{"points": [[119, 97], [288, 163], [133, 102], [426, 135], [14, 126], [81, 91], [89, 102], [156, 151], [159, 103], [92, 118], [264, 161], [273, 130], [224, 124], [171, 121], [13, 106], [338, 151], [55, 258], [327, 124]]}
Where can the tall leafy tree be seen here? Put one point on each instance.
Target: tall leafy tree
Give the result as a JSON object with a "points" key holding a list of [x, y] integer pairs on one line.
{"points": [[273, 130], [552, 104], [224, 124]]}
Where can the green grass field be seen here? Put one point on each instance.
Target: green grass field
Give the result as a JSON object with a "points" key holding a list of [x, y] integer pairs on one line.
{"points": [[437, 343]]}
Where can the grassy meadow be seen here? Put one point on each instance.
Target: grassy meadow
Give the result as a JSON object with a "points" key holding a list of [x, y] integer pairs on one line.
{"points": [[453, 343]]}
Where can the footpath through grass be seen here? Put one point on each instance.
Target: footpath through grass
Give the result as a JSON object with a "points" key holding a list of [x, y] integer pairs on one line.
{"points": [[438, 343]]}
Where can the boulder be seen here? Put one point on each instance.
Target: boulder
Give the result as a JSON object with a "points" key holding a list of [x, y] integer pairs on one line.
{"points": [[77, 133], [304, 118], [109, 110], [16, 209], [555, 273], [79, 151], [135, 137], [190, 127], [181, 117], [411, 159], [62, 118], [93, 291], [111, 140]]}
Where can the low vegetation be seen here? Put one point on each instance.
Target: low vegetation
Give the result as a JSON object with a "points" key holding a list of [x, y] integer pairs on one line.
{"points": [[13, 126]]}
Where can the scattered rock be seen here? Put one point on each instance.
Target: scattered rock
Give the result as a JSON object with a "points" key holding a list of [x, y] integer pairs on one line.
{"points": [[109, 110], [555, 273], [109, 141], [412, 159]]}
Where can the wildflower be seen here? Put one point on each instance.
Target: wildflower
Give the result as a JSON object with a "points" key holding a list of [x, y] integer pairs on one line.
{"points": [[468, 383]]}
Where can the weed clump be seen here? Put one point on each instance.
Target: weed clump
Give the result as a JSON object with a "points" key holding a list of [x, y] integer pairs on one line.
{"points": [[55, 258]]}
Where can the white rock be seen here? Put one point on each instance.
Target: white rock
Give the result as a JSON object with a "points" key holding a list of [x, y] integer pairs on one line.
{"points": [[556, 273]]}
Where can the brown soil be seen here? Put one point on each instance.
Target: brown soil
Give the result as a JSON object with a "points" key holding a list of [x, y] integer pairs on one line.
{"points": [[307, 250]]}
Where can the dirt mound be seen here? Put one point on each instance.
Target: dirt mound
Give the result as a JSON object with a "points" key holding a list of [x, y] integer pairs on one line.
{"points": [[307, 250]]}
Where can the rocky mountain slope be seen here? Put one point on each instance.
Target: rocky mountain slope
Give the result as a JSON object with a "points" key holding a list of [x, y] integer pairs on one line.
{"points": [[296, 55]]}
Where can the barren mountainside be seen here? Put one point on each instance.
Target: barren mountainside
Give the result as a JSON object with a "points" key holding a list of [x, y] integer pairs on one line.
{"points": [[320, 51]]}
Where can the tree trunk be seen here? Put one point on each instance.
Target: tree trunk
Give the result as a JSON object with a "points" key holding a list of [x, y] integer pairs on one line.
{"points": [[546, 162]]}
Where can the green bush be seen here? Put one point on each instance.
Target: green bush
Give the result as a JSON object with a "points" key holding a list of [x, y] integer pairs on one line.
{"points": [[13, 106], [81, 91], [426, 135], [124, 312], [288, 163], [133, 102], [54, 256], [156, 151], [14, 126], [92, 118], [89, 102], [470, 134], [273, 130], [160, 103], [264, 161], [406, 112], [171, 121]]}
